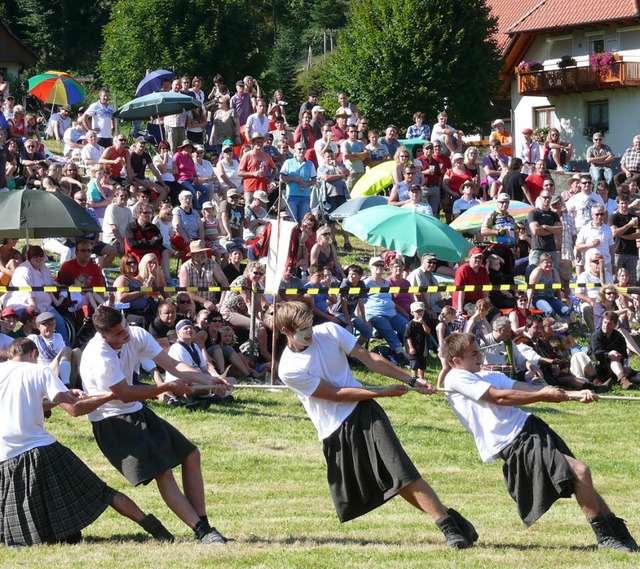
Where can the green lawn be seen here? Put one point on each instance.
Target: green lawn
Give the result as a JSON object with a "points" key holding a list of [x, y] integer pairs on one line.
{"points": [[266, 488]]}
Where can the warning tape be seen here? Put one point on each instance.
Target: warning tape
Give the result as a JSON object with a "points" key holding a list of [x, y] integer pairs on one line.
{"points": [[313, 291]]}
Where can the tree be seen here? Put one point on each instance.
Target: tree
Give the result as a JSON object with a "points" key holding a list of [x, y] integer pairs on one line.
{"points": [[186, 36], [396, 57]]}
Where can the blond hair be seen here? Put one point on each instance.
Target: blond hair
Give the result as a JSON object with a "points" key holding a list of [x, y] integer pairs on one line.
{"points": [[293, 316], [456, 345]]}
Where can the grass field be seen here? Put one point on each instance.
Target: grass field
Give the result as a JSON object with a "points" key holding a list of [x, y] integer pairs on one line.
{"points": [[266, 488]]}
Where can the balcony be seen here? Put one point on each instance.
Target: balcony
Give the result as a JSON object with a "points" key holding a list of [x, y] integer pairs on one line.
{"points": [[578, 79]]}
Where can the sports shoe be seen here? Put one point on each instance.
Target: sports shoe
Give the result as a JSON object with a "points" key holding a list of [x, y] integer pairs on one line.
{"points": [[213, 536], [465, 525], [622, 532], [154, 526], [452, 532]]}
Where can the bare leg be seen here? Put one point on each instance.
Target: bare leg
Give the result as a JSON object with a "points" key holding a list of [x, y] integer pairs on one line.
{"points": [[590, 501], [175, 499], [166, 264], [192, 482], [76, 355], [631, 343], [108, 255], [125, 506], [555, 154], [420, 495]]}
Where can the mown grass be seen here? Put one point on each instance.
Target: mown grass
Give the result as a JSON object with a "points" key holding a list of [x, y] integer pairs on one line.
{"points": [[266, 488]]}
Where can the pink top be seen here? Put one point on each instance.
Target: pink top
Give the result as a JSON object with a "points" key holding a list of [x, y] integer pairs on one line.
{"points": [[186, 167]]}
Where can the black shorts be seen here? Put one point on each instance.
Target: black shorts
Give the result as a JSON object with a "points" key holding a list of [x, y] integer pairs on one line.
{"points": [[331, 204]]}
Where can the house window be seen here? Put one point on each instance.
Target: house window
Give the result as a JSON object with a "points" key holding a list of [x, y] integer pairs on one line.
{"points": [[598, 114], [544, 116], [596, 44]]}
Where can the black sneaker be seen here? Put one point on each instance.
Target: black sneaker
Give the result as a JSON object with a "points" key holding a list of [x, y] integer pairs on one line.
{"points": [[213, 536], [465, 525], [452, 532]]}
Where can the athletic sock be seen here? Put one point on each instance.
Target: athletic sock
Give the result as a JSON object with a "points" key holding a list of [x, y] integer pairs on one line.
{"points": [[65, 371]]}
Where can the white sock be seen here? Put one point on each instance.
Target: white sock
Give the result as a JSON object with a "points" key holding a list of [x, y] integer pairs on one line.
{"points": [[65, 371]]}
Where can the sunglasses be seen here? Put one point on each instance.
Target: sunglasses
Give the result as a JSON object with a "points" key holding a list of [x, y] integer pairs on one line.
{"points": [[216, 321], [131, 263]]}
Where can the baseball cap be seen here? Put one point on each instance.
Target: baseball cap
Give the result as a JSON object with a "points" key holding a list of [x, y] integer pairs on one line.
{"points": [[475, 251], [317, 109], [198, 148], [376, 261], [415, 306], [7, 312], [233, 192], [497, 122], [207, 205], [503, 197], [527, 131]]}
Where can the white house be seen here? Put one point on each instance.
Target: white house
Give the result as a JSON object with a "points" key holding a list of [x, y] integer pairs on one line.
{"points": [[577, 97], [15, 56]]}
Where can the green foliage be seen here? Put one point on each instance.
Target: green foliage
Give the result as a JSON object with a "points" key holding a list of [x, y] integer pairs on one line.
{"points": [[186, 36], [395, 57], [283, 66]]}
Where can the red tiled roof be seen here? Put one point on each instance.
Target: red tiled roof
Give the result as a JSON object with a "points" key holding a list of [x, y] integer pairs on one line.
{"points": [[553, 14], [508, 13]]}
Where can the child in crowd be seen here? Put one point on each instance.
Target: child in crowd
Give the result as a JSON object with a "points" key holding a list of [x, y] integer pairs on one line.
{"points": [[163, 221], [416, 336], [86, 301], [212, 233], [445, 327], [99, 194], [243, 365], [478, 325]]}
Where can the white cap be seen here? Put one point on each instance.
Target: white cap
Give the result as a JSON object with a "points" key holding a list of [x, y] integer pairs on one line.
{"points": [[415, 306]]}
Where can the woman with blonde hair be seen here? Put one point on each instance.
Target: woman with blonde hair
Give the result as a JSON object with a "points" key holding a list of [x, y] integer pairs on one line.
{"points": [[149, 274]]}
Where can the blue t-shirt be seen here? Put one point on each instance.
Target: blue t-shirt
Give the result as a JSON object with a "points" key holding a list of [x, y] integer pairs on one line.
{"points": [[380, 303], [320, 300]]}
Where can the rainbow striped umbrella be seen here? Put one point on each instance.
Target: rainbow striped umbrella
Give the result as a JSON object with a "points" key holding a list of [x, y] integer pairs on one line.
{"points": [[473, 218], [56, 88]]}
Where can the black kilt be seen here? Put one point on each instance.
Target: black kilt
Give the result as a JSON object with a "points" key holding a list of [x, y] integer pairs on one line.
{"points": [[535, 470], [366, 464], [48, 493], [141, 445]]}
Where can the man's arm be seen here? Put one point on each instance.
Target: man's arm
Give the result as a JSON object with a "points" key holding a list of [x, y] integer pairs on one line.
{"points": [[76, 402], [326, 390], [525, 394]]}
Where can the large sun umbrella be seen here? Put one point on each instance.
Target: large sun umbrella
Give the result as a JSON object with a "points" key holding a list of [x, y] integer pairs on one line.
{"points": [[357, 204], [153, 81], [474, 217], [34, 214], [375, 180], [56, 88], [156, 105], [408, 232]]}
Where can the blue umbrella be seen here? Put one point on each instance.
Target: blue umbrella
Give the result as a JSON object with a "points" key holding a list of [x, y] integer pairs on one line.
{"points": [[153, 81], [156, 105], [357, 204]]}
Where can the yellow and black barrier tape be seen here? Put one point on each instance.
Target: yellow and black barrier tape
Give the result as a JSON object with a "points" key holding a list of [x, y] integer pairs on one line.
{"points": [[312, 291]]}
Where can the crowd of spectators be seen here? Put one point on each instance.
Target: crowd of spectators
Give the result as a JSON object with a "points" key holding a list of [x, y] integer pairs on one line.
{"points": [[206, 194]]}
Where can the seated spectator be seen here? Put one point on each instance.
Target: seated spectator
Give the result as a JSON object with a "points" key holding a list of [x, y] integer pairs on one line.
{"points": [[10, 260], [597, 235], [503, 136], [82, 263], [235, 267], [325, 254], [322, 301], [141, 309], [467, 200], [162, 328], [548, 300], [187, 175], [349, 306], [446, 134], [232, 218], [418, 129], [116, 218], [557, 154], [91, 151], [493, 164], [415, 201], [402, 300], [455, 176], [59, 123], [151, 275], [200, 271], [381, 312], [478, 325], [53, 353], [529, 152], [186, 224], [518, 315], [594, 272], [599, 158], [235, 305], [205, 172], [34, 273], [212, 232], [140, 161], [30, 157], [164, 163], [256, 215], [142, 236], [499, 226], [74, 138], [471, 273], [607, 301], [608, 348], [610, 206], [106, 253], [241, 365], [99, 193]]}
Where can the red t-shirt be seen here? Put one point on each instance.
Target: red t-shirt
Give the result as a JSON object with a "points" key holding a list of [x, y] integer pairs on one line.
{"points": [[456, 180], [465, 275], [71, 269], [250, 162], [534, 184]]}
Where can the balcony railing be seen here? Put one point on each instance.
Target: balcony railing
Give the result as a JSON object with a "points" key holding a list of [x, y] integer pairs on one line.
{"points": [[578, 79]]}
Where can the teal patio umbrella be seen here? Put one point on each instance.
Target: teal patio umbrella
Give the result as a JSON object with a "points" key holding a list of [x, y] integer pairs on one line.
{"points": [[156, 105], [408, 232], [35, 214]]}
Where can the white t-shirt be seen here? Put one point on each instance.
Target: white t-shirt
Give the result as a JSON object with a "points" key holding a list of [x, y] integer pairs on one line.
{"points": [[178, 352], [325, 358], [580, 206], [118, 216], [23, 386], [55, 345], [101, 118], [493, 426], [90, 152], [102, 367]]}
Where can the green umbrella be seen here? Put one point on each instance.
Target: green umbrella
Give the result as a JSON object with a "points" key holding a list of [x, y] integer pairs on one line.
{"points": [[154, 105], [34, 214], [408, 232]]}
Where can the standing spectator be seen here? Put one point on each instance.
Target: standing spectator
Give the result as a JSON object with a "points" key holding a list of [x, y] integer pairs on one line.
{"points": [[258, 122], [200, 271], [514, 182], [140, 161], [350, 109], [101, 114], [116, 218], [256, 168], [557, 154], [423, 277], [529, 151], [304, 132], [378, 152], [308, 105], [300, 176], [277, 106], [581, 204], [353, 154], [624, 227], [335, 192], [419, 129], [546, 229], [390, 139], [503, 136], [318, 120], [537, 179], [175, 125], [568, 239], [417, 338], [597, 235], [600, 157], [629, 164], [225, 125], [471, 273], [241, 103]]}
